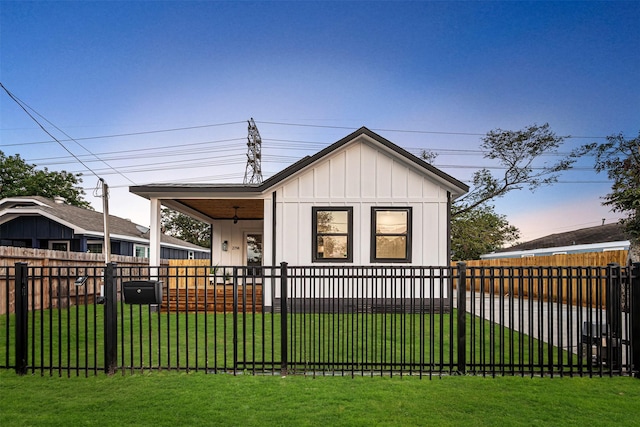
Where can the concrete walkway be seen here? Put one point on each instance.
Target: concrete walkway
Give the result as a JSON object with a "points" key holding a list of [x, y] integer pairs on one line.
{"points": [[560, 325]]}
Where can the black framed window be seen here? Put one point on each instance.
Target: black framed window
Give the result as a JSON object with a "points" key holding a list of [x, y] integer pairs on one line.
{"points": [[332, 234], [390, 234]]}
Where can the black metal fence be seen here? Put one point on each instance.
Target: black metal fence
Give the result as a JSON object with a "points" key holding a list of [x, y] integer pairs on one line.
{"points": [[321, 320]]}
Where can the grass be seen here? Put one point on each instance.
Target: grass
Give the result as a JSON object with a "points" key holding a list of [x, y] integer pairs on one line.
{"points": [[318, 342], [170, 399]]}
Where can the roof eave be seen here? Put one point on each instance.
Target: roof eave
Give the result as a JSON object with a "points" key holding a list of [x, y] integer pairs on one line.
{"points": [[190, 191]]}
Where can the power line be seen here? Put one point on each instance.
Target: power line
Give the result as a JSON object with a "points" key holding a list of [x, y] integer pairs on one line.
{"points": [[101, 182], [146, 154], [273, 144], [22, 105], [407, 130], [417, 131], [162, 166], [231, 158], [281, 159], [288, 144], [119, 135], [276, 143]]}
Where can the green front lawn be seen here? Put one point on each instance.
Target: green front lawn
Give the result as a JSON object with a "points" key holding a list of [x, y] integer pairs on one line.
{"points": [[317, 342], [175, 399]]}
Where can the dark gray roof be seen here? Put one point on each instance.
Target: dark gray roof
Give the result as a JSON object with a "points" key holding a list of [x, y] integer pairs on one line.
{"points": [[92, 222], [585, 236]]}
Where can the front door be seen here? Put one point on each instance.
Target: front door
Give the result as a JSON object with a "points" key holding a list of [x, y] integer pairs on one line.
{"points": [[253, 250]]}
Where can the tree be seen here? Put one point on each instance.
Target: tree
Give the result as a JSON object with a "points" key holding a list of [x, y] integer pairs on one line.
{"points": [[479, 231], [620, 159], [516, 152], [476, 228], [18, 178], [186, 228]]}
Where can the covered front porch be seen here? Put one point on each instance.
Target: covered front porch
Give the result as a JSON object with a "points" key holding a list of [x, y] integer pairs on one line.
{"points": [[242, 222]]}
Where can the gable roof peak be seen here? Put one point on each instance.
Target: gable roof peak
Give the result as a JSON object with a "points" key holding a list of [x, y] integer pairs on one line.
{"points": [[460, 187]]}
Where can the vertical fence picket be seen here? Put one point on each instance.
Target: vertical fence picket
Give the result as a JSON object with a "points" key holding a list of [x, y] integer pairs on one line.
{"points": [[5, 309]]}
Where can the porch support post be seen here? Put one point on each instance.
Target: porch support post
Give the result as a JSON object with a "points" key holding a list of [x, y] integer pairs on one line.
{"points": [[448, 254], [154, 233]]}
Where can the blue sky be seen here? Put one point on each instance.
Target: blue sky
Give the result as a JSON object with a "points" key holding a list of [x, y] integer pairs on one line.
{"points": [[309, 73]]}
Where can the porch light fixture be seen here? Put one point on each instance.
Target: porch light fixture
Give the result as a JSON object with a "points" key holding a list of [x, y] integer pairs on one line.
{"points": [[225, 246], [235, 215]]}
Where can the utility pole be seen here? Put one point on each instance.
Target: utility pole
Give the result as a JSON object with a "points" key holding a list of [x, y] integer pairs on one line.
{"points": [[253, 171], [105, 209]]}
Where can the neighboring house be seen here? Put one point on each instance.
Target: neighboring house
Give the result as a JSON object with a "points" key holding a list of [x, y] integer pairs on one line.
{"points": [[41, 223], [606, 237], [361, 201]]}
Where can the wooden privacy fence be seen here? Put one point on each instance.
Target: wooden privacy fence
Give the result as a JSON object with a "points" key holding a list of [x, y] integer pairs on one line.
{"points": [[189, 273], [556, 280], [47, 258], [54, 282], [594, 259], [570, 285]]}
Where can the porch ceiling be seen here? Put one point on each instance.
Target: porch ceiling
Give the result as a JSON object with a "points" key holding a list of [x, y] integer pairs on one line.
{"points": [[224, 208]]}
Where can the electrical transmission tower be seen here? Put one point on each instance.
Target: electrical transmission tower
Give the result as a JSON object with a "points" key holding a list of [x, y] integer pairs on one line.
{"points": [[253, 171]]}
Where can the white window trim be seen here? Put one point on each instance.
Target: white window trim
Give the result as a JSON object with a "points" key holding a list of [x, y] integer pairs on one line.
{"points": [[145, 247], [96, 242], [66, 242]]}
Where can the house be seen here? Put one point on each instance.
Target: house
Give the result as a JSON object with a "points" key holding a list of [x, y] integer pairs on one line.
{"points": [[360, 201], [42, 223], [601, 238]]}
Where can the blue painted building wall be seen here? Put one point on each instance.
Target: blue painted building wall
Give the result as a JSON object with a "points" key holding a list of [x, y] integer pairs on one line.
{"points": [[37, 231]]}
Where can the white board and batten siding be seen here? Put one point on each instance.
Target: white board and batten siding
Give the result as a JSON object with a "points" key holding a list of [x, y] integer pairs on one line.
{"points": [[361, 175], [361, 171]]}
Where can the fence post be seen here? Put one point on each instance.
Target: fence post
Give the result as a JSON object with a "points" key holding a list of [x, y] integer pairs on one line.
{"points": [[283, 319], [634, 285], [22, 309], [462, 317], [614, 306], [110, 319]]}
